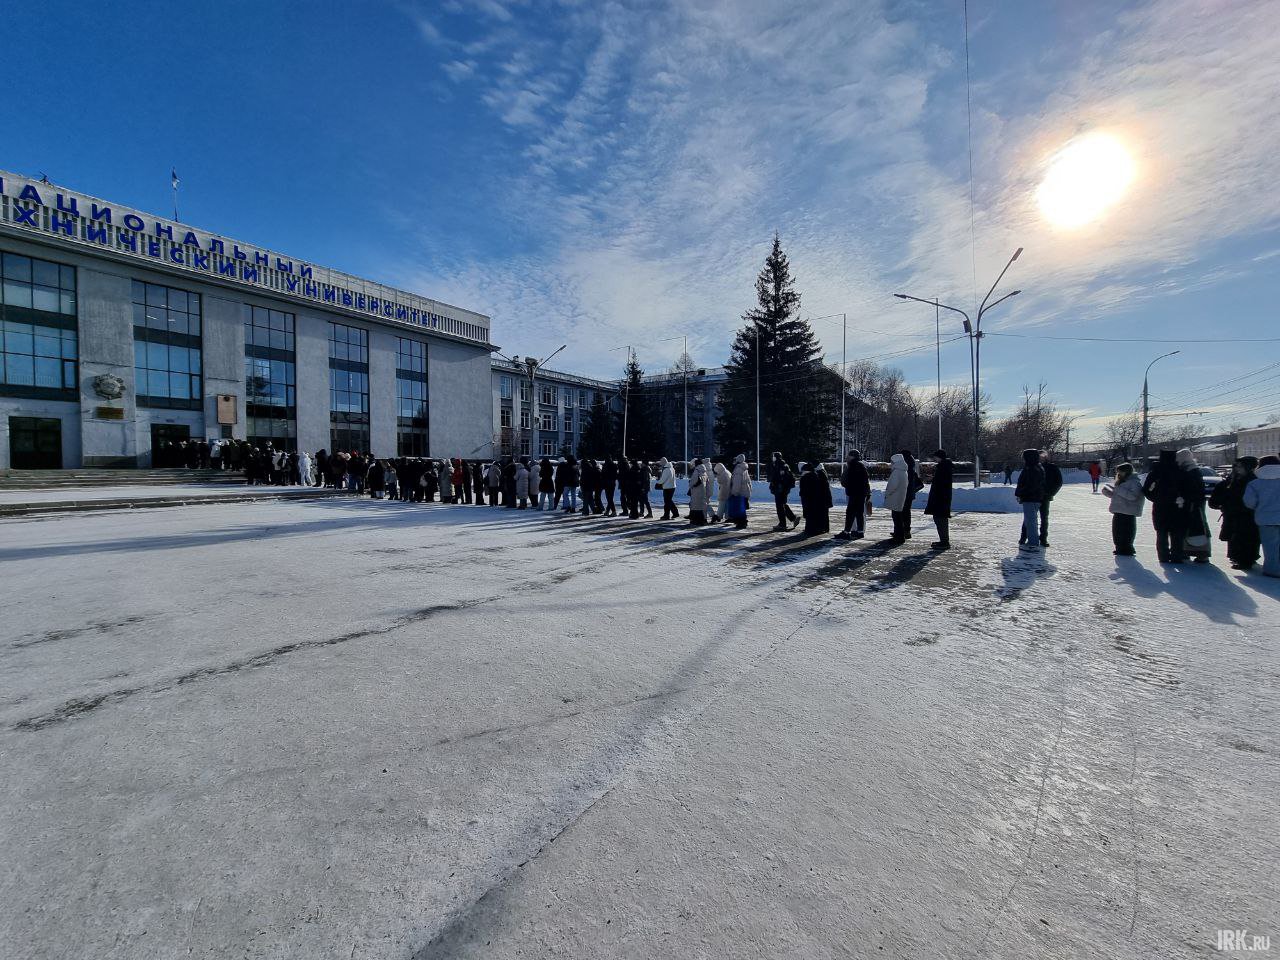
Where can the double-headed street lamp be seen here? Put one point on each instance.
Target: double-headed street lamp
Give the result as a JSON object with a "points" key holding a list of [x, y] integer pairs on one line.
{"points": [[974, 331], [533, 367]]}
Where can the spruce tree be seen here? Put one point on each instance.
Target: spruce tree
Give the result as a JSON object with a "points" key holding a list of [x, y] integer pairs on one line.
{"points": [[799, 405], [640, 413], [599, 438]]}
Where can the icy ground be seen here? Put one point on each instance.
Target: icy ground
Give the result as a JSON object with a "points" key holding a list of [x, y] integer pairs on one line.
{"points": [[341, 729]]}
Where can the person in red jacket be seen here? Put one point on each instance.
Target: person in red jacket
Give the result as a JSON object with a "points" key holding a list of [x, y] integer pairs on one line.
{"points": [[1095, 474]]}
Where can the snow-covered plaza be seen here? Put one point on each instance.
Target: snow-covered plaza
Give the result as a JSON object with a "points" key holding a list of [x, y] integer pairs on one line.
{"points": [[349, 728]]}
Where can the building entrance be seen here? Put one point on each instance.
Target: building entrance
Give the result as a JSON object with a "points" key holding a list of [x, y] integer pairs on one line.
{"points": [[165, 438], [35, 443]]}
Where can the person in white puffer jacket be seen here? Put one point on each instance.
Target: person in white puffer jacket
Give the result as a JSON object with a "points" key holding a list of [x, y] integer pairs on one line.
{"points": [[720, 473], [667, 481], [1262, 496], [1126, 506], [895, 497]]}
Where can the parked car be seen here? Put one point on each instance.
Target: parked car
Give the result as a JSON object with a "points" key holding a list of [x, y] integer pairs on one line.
{"points": [[1211, 479]]}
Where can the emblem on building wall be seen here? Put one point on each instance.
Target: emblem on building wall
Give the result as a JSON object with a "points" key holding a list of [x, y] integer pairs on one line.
{"points": [[108, 386]]}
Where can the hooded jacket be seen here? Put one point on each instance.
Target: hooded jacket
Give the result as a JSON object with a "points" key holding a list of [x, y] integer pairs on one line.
{"points": [[739, 480], [1167, 483], [1031, 481], [1262, 496], [522, 481], [940, 490], [895, 491], [723, 481], [856, 481], [815, 491], [699, 488], [1126, 496], [667, 478]]}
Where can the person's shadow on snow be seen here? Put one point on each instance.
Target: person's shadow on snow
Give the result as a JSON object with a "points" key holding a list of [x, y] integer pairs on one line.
{"points": [[1022, 571], [1201, 586]]}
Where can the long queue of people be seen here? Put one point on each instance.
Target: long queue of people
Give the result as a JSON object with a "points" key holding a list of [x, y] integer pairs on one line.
{"points": [[720, 491]]}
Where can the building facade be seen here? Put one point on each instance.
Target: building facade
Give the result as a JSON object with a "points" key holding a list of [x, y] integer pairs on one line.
{"points": [[550, 424], [1260, 441], [120, 330], [666, 397]]}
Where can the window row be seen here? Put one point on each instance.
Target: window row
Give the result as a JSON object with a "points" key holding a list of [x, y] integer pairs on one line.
{"points": [[160, 356], [35, 284], [25, 370], [348, 343], [348, 391], [411, 355]]}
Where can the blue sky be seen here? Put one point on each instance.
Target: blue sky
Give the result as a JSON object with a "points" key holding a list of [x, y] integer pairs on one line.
{"points": [[604, 173]]}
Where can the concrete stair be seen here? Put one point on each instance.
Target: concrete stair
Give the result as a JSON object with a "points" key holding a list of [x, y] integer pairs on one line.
{"points": [[56, 479]]}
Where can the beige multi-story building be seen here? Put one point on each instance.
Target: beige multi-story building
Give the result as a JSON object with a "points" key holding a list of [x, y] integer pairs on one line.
{"points": [[1260, 441]]}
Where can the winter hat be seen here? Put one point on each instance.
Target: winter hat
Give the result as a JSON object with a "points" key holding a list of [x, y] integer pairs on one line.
{"points": [[740, 458], [1185, 457], [1270, 461], [855, 454], [940, 454]]}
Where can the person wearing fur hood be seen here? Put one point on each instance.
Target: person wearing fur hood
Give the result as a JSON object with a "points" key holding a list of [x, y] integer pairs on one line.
{"points": [[895, 497], [739, 492]]}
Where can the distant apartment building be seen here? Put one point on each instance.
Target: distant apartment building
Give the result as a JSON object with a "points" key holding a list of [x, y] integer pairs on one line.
{"points": [[551, 423], [666, 394], [1260, 441]]}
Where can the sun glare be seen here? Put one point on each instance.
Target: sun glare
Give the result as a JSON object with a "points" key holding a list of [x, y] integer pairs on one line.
{"points": [[1085, 179]]}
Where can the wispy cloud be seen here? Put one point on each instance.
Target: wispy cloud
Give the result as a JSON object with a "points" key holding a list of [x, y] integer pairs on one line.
{"points": [[663, 145]]}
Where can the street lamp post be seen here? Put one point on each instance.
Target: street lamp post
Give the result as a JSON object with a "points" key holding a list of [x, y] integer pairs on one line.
{"points": [[684, 369], [1146, 409], [974, 331]]}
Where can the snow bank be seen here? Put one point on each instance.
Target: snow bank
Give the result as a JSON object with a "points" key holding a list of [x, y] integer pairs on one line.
{"points": [[1069, 475]]}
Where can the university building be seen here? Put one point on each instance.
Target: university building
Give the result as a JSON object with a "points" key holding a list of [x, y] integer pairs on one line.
{"points": [[551, 425], [120, 330]]}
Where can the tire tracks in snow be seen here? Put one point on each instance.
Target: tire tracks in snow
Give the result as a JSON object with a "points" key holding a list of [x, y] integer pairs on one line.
{"points": [[75, 707]]}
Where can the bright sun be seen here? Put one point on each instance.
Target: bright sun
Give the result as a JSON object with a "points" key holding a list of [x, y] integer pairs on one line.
{"points": [[1085, 178]]}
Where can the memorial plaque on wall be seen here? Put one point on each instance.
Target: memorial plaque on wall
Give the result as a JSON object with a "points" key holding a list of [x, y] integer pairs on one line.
{"points": [[227, 414], [109, 413]]}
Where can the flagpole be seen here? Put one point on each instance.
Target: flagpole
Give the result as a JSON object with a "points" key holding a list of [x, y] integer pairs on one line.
{"points": [[174, 180]]}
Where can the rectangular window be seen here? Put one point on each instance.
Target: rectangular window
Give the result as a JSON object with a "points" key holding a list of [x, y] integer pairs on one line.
{"points": [[505, 390], [548, 446], [526, 391], [547, 394], [524, 418], [504, 418], [412, 422], [270, 374], [348, 388], [38, 340], [167, 354], [582, 399]]}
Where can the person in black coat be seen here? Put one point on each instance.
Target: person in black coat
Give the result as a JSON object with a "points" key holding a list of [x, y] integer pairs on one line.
{"points": [[640, 479], [588, 485], [626, 483], [938, 505], [1172, 492], [914, 486], [857, 490], [781, 480], [1030, 493], [1239, 529], [815, 499], [508, 482], [609, 483]]}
